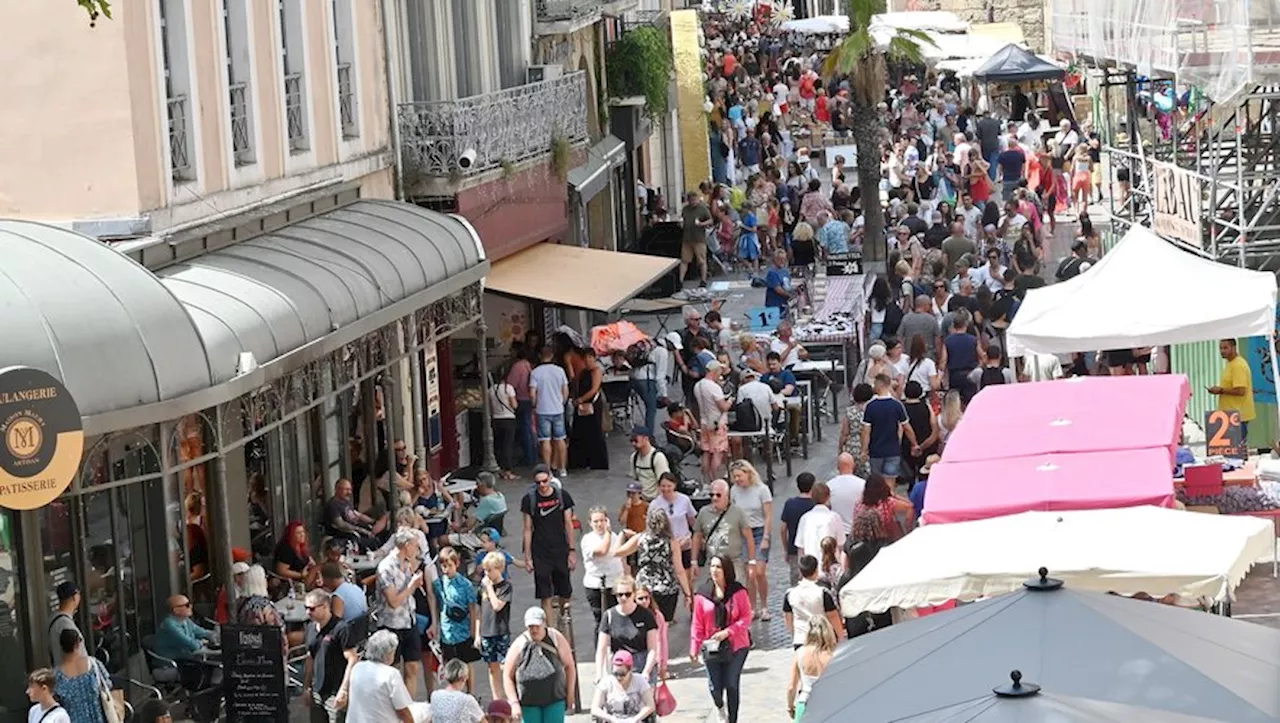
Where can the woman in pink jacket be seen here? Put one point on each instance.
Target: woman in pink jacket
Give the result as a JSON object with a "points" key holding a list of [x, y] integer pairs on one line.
{"points": [[720, 633]]}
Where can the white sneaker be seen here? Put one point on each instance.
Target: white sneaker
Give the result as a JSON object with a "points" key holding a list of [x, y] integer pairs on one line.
{"points": [[721, 714]]}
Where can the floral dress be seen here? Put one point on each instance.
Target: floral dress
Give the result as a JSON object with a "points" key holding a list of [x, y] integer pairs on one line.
{"points": [[80, 695], [655, 571], [853, 445]]}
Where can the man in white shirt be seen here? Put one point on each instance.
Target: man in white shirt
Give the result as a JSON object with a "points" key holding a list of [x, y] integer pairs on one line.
{"points": [[990, 274], [845, 490], [785, 345], [1041, 368], [378, 695], [760, 394], [809, 600], [713, 419], [819, 523], [972, 217]]}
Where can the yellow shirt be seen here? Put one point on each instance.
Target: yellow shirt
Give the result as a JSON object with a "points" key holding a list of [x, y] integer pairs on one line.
{"points": [[1236, 374]]}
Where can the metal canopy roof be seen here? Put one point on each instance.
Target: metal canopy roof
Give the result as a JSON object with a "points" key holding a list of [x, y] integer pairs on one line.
{"points": [[275, 293], [95, 319], [121, 338]]}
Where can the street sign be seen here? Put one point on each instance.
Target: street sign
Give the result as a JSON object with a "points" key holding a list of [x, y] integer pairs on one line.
{"points": [[844, 266], [1224, 437], [764, 318]]}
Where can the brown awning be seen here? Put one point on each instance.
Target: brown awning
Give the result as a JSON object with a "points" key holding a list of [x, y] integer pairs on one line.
{"points": [[576, 277]]}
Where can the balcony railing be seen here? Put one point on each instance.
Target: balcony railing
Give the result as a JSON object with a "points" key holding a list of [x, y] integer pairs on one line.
{"points": [[507, 126], [241, 138], [563, 16], [554, 10], [346, 102], [179, 139], [293, 112]]}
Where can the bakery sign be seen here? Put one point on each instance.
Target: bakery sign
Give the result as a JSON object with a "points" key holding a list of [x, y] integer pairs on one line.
{"points": [[1178, 203], [41, 438]]}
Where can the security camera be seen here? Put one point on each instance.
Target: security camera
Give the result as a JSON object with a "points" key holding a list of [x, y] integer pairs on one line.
{"points": [[468, 159]]}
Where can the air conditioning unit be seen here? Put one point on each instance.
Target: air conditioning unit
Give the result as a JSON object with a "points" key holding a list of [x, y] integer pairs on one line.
{"points": [[539, 73]]}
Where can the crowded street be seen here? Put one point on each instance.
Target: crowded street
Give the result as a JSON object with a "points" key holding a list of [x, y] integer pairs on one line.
{"points": [[616, 361]]}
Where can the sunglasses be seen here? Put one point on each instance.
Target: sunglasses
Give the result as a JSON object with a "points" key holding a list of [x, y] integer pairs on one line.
{"points": [[623, 595], [312, 608], [717, 494], [186, 604], [642, 599]]}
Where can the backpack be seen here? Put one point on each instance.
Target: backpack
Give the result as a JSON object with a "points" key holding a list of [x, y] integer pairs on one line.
{"points": [[540, 674], [991, 375], [746, 417], [892, 318], [637, 354]]}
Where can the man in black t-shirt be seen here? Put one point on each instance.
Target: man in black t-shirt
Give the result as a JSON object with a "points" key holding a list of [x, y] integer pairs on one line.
{"points": [[331, 653], [549, 542]]}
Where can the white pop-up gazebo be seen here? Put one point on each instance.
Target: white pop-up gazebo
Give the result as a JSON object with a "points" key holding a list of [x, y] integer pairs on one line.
{"points": [[1145, 292]]}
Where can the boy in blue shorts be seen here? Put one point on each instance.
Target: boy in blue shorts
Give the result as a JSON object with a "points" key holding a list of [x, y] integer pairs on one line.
{"points": [[495, 617]]}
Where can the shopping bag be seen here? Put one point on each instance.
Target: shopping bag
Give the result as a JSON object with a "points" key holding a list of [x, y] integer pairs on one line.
{"points": [[664, 701]]}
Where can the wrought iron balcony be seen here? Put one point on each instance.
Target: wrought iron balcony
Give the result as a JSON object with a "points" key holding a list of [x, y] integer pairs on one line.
{"points": [[294, 112], [347, 102], [180, 139], [241, 137], [505, 127]]}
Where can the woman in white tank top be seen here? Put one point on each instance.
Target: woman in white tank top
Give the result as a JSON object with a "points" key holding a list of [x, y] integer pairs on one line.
{"points": [[811, 659]]}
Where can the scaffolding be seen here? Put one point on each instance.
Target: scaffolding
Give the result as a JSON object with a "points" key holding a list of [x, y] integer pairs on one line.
{"points": [[1187, 94]]}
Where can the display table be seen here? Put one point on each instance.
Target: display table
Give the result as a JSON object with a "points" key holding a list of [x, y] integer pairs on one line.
{"points": [[1246, 476]]}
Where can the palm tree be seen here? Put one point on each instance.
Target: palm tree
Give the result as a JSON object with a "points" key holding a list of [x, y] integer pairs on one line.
{"points": [[861, 57]]}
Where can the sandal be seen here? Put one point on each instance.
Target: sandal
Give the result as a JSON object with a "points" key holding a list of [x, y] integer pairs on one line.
{"points": [[766, 616]]}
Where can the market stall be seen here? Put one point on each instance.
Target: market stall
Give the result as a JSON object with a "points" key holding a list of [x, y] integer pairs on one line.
{"points": [[1015, 64], [1072, 415], [962, 491], [1135, 550], [1086, 313]]}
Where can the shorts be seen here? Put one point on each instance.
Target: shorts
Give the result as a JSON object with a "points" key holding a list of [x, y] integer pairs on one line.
{"points": [[464, 651], [714, 440], [493, 649], [410, 648], [1081, 181], [690, 250], [758, 534], [551, 579], [887, 466], [686, 557], [551, 426]]}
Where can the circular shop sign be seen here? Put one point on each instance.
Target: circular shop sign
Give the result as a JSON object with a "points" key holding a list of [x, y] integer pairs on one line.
{"points": [[41, 438]]}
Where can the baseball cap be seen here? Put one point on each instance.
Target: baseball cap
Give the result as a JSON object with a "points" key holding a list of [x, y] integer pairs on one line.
{"points": [[989, 227], [493, 534], [634, 487], [641, 431], [535, 616], [541, 468], [749, 373], [674, 339], [623, 657], [498, 708], [66, 590], [714, 366], [239, 568], [1079, 244], [239, 554]]}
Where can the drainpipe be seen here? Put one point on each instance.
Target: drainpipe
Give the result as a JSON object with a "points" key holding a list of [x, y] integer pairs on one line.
{"points": [[393, 94]]}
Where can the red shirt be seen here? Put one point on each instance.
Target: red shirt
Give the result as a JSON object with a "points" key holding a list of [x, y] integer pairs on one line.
{"points": [[820, 109], [730, 63]]}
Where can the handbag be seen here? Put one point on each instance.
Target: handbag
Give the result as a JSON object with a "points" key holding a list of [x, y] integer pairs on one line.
{"points": [[702, 554], [113, 709], [664, 701]]}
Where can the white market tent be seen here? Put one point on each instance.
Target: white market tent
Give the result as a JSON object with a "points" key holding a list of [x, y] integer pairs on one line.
{"points": [[819, 25], [1108, 306], [1132, 550]]}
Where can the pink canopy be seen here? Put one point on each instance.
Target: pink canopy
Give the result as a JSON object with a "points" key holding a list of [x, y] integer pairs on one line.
{"points": [[960, 491], [1084, 414]]}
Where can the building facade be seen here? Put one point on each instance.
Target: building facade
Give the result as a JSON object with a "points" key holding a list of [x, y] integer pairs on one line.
{"points": [[203, 245]]}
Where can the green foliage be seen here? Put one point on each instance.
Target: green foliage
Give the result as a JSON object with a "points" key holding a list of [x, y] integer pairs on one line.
{"points": [[95, 8], [639, 63], [860, 58]]}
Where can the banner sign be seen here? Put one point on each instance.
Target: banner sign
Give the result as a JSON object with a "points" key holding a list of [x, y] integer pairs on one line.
{"points": [[1178, 203], [1224, 435]]}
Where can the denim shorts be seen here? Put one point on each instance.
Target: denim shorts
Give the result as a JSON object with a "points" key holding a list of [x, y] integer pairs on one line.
{"points": [[758, 534], [887, 466], [551, 426]]}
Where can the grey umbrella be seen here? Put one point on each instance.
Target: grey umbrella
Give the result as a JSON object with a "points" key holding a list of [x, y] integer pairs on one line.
{"points": [[1092, 657]]}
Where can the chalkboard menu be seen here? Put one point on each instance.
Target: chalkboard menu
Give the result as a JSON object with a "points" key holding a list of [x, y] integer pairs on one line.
{"points": [[253, 674]]}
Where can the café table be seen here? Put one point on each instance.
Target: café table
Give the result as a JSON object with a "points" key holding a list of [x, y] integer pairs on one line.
{"points": [[292, 610]]}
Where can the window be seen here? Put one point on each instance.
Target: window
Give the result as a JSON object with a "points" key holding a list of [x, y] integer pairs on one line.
{"points": [[235, 23], [344, 56], [176, 60], [291, 52]]}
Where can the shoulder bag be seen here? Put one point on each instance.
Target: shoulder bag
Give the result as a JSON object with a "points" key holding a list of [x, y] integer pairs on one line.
{"points": [[702, 554]]}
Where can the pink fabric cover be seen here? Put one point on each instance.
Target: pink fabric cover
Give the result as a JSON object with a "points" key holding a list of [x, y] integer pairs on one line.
{"points": [[960, 491], [1085, 414]]}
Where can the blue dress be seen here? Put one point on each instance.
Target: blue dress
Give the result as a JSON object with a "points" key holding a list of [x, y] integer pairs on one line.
{"points": [[79, 695], [748, 246]]}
